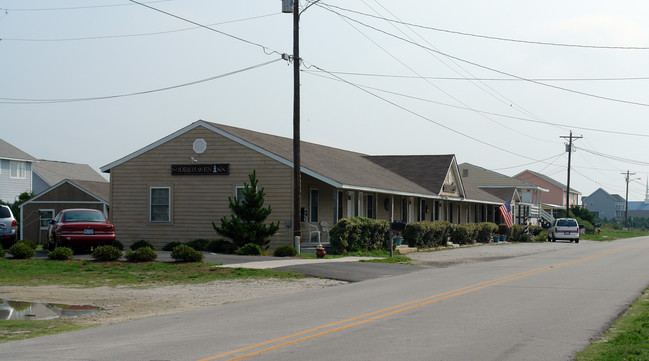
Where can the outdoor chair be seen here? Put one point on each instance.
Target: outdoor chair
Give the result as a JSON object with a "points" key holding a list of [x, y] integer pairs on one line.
{"points": [[324, 230], [313, 230]]}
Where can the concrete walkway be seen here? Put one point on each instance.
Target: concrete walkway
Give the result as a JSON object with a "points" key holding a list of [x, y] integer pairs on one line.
{"points": [[284, 262]]}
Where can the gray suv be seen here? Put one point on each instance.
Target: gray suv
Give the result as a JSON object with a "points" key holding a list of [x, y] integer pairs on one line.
{"points": [[8, 227]]}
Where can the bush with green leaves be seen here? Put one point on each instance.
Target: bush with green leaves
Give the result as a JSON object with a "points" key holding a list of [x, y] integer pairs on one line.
{"points": [[359, 234], [221, 246], [60, 254], [143, 254], [119, 245], [22, 250], [515, 233], [535, 230], [250, 249], [465, 233], [184, 253], [485, 231], [525, 238], [31, 244], [171, 245], [139, 244], [428, 234], [2, 252], [107, 253], [541, 237], [286, 250], [503, 230], [199, 244], [586, 225]]}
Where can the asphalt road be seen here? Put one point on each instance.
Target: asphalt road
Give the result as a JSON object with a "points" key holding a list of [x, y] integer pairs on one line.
{"points": [[544, 306]]}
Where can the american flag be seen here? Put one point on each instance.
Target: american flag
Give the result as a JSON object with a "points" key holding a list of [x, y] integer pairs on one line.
{"points": [[506, 211]]}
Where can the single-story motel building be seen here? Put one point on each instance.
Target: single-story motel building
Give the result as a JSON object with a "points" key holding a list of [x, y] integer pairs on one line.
{"points": [[173, 189]]}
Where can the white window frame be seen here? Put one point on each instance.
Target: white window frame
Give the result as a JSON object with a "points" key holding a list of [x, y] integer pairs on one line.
{"points": [[236, 193], [168, 220], [20, 166], [40, 217]]}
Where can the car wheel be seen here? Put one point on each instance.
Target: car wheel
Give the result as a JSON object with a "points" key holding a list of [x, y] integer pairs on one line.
{"points": [[554, 239], [577, 240]]}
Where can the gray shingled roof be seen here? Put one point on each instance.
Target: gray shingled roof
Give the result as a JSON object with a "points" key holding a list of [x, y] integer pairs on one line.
{"points": [[8, 151], [349, 169], [53, 172]]}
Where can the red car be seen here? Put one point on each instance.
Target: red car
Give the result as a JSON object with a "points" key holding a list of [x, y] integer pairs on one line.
{"points": [[80, 228]]}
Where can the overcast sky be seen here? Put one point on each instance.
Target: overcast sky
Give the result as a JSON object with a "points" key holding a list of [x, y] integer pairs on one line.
{"points": [[379, 77]]}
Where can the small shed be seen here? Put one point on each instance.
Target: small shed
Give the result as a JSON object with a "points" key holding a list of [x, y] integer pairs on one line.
{"points": [[69, 193]]}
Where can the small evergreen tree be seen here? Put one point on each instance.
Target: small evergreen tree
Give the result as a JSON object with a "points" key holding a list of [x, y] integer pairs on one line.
{"points": [[246, 224]]}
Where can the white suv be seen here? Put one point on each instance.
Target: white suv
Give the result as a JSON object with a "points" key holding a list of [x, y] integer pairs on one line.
{"points": [[564, 228], [8, 226]]}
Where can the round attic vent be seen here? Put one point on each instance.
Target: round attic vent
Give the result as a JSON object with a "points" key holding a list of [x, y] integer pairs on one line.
{"points": [[199, 146]]}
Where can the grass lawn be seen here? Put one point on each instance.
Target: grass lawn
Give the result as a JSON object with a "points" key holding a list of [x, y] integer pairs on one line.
{"points": [[34, 272], [626, 340], [608, 234]]}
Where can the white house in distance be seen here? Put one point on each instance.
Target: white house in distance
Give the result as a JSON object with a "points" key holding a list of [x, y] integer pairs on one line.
{"points": [[15, 172]]}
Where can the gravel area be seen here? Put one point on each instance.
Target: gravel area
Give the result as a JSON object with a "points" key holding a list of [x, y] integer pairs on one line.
{"points": [[125, 304]]}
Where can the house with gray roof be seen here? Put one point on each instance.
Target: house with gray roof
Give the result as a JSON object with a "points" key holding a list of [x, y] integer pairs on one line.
{"points": [[47, 173], [605, 205], [174, 188], [524, 197], [555, 199], [15, 172]]}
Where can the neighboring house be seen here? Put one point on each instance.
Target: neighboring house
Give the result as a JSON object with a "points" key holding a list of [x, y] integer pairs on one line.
{"points": [[525, 197], [47, 173], [36, 213], [640, 209], [173, 189], [604, 205], [555, 198], [15, 172]]}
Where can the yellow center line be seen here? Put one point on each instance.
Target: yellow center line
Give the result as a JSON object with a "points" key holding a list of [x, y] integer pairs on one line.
{"points": [[393, 310]]}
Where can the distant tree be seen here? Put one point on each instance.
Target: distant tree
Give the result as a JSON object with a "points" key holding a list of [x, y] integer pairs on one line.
{"points": [[246, 224]]}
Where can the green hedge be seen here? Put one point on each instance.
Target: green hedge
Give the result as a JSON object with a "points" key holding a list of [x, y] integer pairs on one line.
{"points": [[359, 234], [485, 231], [465, 233], [428, 234]]}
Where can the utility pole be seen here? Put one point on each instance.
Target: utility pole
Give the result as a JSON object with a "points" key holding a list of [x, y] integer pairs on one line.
{"points": [[569, 150], [291, 6], [626, 198]]}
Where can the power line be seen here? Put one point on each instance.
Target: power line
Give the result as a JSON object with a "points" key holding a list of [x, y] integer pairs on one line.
{"points": [[84, 7], [483, 79], [486, 36], [207, 27], [608, 131], [49, 101], [490, 68], [136, 35], [426, 118], [613, 157]]}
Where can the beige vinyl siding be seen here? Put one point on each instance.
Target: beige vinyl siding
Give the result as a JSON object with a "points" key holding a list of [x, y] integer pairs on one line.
{"points": [[196, 200]]}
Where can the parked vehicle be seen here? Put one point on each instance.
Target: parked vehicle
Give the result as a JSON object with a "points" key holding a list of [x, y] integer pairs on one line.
{"points": [[8, 226], [564, 228], [80, 228]]}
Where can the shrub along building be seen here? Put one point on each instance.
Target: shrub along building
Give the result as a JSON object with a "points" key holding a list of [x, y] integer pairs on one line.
{"points": [[173, 189]]}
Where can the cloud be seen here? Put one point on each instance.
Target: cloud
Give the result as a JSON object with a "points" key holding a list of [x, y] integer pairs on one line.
{"points": [[603, 29]]}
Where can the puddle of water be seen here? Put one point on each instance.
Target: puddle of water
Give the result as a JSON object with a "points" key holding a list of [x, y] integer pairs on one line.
{"points": [[17, 310]]}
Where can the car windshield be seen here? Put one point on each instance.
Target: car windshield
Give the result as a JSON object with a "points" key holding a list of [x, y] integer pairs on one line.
{"points": [[83, 216], [4, 212], [567, 223]]}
